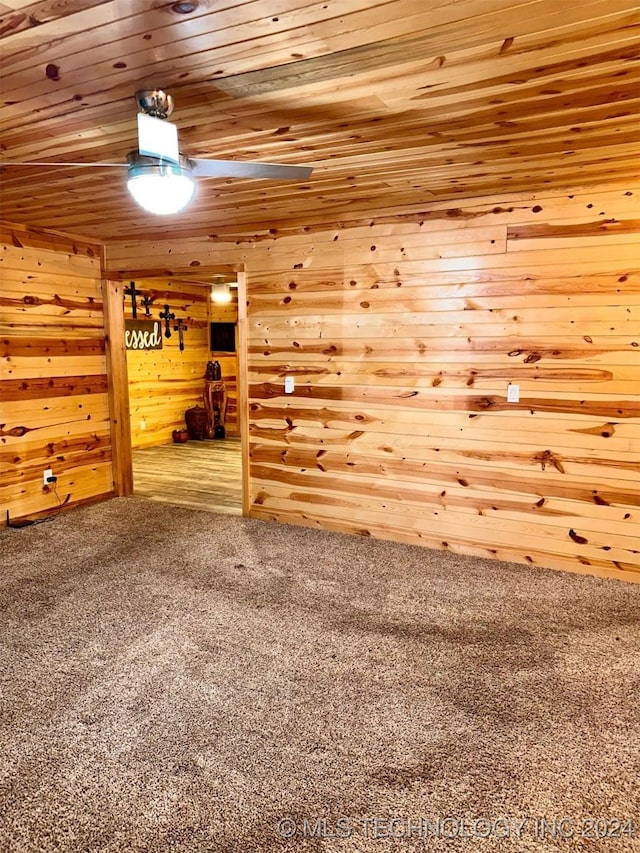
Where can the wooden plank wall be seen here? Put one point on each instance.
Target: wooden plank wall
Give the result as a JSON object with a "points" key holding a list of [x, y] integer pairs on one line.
{"points": [[54, 410], [228, 363], [403, 330], [164, 383]]}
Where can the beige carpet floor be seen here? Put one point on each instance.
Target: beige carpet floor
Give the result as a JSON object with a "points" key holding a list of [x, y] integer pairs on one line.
{"points": [[172, 680]]}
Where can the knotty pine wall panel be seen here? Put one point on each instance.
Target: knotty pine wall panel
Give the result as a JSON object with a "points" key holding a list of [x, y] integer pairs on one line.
{"points": [[403, 331], [164, 383], [54, 410]]}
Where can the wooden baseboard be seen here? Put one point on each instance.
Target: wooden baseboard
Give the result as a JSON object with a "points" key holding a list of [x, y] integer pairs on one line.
{"points": [[555, 562], [26, 520]]}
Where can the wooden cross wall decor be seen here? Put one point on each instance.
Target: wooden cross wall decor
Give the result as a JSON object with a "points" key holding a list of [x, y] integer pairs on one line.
{"points": [[132, 292], [180, 328], [167, 316], [146, 303]]}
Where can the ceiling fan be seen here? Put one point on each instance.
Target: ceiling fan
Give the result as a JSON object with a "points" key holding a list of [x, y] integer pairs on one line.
{"points": [[160, 178]]}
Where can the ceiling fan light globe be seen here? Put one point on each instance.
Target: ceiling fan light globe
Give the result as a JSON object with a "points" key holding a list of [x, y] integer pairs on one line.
{"points": [[160, 188]]}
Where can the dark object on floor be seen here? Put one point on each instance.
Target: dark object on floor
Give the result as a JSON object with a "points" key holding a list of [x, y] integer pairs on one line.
{"points": [[196, 420], [218, 431], [19, 523], [215, 402], [180, 436]]}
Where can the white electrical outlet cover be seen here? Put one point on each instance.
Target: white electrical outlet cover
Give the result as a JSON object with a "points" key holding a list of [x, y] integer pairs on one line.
{"points": [[513, 393], [289, 385], [45, 476]]}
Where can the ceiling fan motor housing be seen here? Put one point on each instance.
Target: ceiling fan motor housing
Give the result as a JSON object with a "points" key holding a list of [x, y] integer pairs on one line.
{"points": [[139, 164]]}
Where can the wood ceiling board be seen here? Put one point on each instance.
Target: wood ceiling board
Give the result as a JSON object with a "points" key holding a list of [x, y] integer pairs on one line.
{"points": [[245, 29], [102, 57], [79, 108], [17, 5], [395, 105], [38, 14]]}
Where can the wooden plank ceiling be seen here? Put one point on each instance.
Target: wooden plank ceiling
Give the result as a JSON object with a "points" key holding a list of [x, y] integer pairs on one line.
{"points": [[396, 104]]}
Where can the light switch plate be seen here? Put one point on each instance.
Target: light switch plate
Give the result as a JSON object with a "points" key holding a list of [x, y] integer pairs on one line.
{"points": [[289, 385]]}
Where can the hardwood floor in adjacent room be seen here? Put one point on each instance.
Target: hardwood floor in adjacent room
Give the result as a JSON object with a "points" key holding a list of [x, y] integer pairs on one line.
{"points": [[199, 474]]}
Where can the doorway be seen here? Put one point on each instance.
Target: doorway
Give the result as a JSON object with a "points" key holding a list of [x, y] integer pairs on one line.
{"points": [[209, 474]]}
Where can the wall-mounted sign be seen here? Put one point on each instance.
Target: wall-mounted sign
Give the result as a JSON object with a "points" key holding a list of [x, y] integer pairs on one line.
{"points": [[142, 334]]}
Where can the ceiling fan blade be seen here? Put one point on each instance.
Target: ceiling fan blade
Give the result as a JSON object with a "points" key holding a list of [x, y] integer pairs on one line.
{"points": [[244, 169], [59, 163]]}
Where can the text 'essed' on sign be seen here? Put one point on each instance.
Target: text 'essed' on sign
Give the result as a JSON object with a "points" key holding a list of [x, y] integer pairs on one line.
{"points": [[142, 334]]}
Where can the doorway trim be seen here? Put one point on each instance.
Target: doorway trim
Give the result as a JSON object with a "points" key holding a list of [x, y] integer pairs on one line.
{"points": [[118, 387], [243, 388], [119, 413]]}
